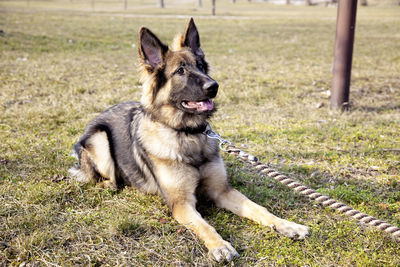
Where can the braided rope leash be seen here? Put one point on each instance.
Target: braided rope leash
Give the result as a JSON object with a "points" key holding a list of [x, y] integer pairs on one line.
{"points": [[264, 169]]}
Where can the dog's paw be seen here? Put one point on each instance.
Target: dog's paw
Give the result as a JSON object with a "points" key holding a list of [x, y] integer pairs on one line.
{"points": [[107, 184], [225, 252], [291, 229]]}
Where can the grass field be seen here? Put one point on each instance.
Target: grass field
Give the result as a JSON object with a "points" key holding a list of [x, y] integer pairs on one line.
{"points": [[60, 69]]}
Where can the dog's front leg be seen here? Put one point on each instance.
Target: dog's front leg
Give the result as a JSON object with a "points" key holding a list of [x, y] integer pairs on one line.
{"points": [[216, 186], [236, 202], [178, 184], [186, 214]]}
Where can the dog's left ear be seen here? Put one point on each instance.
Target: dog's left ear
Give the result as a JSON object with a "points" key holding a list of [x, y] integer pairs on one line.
{"points": [[191, 38]]}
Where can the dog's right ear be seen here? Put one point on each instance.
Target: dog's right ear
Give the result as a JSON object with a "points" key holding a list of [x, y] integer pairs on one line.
{"points": [[151, 49]]}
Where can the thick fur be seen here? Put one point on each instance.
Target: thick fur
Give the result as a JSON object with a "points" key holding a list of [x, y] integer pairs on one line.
{"points": [[158, 145]]}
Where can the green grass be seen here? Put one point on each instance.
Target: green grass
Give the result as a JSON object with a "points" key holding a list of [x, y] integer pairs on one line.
{"points": [[273, 63]]}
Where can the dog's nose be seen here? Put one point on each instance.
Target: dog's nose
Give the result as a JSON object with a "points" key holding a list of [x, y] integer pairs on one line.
{"points": [[211, 88]]}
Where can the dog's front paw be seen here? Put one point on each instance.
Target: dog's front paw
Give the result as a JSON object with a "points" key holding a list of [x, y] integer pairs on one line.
{"points": [[225, 252], [291, 229]]}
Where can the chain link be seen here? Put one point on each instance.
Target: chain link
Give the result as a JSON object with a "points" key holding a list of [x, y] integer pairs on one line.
{"points": [[222, 142]]}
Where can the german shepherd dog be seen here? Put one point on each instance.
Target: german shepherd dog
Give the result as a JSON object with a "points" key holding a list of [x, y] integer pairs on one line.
{"points": [[158, 145]]}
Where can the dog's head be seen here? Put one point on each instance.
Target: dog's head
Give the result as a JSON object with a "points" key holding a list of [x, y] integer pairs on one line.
{"points": [[177, 89]]}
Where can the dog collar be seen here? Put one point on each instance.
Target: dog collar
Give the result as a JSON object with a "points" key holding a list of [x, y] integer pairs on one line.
{"points": [[194, 130]]}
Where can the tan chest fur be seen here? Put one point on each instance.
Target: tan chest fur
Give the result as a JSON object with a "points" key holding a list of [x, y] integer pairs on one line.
{"points": [[165, 143]]}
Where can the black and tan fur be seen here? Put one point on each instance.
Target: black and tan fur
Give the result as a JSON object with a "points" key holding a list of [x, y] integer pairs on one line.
{"points": [[158, 145]]}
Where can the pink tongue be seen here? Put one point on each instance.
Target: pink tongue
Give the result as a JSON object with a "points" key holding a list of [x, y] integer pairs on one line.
{"points": [[205, 105], [201, 105]]}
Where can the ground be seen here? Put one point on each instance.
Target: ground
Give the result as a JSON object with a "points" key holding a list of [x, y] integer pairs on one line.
{"points": [[60, 68]]}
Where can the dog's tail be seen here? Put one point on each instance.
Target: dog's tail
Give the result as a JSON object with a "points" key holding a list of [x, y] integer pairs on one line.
{"points": [[75, 171]]}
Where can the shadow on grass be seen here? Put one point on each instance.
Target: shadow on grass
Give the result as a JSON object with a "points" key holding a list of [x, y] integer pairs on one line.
{"points": [[386, 108]]}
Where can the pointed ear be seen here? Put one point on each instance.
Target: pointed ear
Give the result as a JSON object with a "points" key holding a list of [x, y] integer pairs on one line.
{"points": [[151, 49], [191, 38]]}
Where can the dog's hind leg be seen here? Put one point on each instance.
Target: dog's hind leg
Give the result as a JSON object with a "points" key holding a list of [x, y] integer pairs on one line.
{"points": [[96, 160], [216, 186]]}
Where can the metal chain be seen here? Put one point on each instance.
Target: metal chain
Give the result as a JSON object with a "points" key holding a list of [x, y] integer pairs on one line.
{"points": [[264, 169], [213, 135]]}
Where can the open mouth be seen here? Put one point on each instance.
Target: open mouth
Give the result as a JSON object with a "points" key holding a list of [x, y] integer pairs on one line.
{"points": [[199, 106]]}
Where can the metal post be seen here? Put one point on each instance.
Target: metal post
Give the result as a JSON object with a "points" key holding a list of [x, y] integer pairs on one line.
{"points": [[213, 7], [345, 27]]}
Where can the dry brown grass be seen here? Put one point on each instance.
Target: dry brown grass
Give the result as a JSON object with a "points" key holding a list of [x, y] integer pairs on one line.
{"points": [[58, 70]]}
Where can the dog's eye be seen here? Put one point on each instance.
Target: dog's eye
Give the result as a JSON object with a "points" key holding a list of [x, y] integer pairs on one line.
{"points": [[180, 71], [200, 67]]}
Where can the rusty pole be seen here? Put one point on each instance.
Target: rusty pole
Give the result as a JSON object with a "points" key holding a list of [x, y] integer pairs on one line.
{"points": [[213, 7], [345, 27]]}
